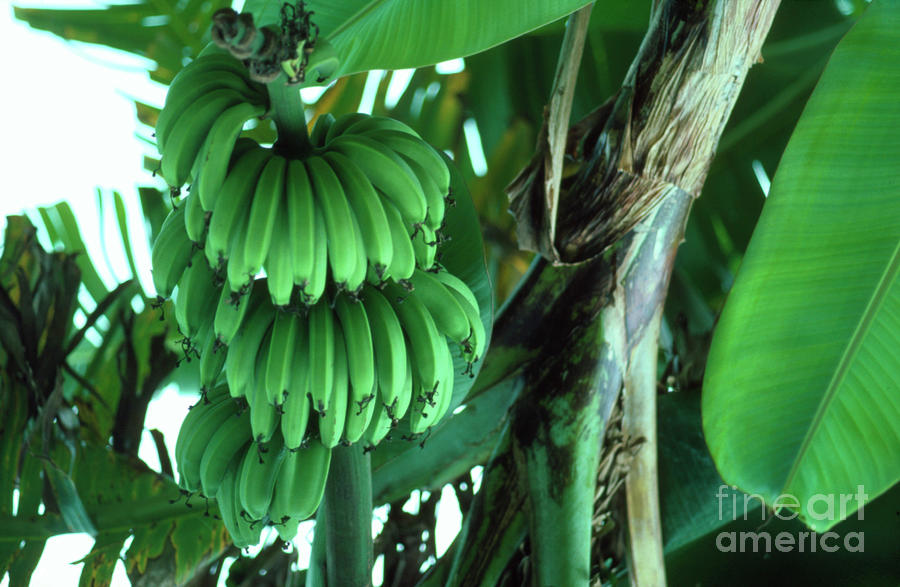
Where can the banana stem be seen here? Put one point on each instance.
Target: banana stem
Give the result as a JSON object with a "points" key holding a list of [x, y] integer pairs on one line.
{"points": [[316, 573], [290, 119], [348, 511]]}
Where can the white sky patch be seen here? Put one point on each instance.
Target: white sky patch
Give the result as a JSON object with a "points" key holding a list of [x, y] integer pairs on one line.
{"points": [[761, 176], [451, 66], [412, 504], [164, 413], [370, 91], [399, 82], [449, 520], [312, 94], [476, 150], [378, 571], [477, 473]]}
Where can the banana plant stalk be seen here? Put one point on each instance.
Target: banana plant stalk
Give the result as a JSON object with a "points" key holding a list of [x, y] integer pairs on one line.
{"points": [[290, 118], [347, 507]]}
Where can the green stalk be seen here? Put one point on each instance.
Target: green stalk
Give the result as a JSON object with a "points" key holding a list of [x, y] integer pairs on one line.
{"points": [[315, 573], [348, 512], [290, 119]]}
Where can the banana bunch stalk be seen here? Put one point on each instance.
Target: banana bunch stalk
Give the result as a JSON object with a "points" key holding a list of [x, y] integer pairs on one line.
{"points": [[308, 285]]}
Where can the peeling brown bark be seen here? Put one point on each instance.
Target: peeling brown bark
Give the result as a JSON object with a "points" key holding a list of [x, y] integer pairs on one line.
{"points": [[645, 154], [656, 135]]}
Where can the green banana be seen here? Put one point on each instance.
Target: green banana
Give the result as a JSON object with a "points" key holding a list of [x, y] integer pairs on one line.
{"points": [[286, 526], [389, 344], [279, 265], [301, 219], [437, 204], [186, 139], [414, 148], [197, 79], [387, 172], [376, 124], [281, 356], [238, 271], [425, 245], [301, 481], [296, 407], [195, 218], [243, 532], [426, 343], [171, 253], [320, 130], [225, 499], [196, 297], [257, 476], [380, 425], [448, 314], [230, 312], [226, 443], [222, 145], [474, 344], [331, 422], [233, 203], [195, 414], [263, 415], [264, 210], [339, 126], [212, 361], [367, 208], [198, 426], [315, 287], [404, 399], [403, 263], [360, 354], [330, 199], [321, 355], [358, 418], [431, 406], [361, 269], [240, 366]]}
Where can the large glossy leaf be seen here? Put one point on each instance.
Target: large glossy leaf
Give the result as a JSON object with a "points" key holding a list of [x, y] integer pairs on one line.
{"points": [[800, 395], [398, 34]]}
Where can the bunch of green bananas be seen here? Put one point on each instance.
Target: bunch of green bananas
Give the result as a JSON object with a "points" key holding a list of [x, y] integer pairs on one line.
{"points": [[350, 329], [253, 485]]}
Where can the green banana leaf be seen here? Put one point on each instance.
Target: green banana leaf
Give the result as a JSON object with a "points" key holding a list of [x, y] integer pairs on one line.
{"points": [[800, 394], [398, 34], [61, 225], [122, 496], [160, 31]]}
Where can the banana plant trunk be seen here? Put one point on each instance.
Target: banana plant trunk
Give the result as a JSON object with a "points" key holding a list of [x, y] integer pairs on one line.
{"points": [[582, 328]]}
